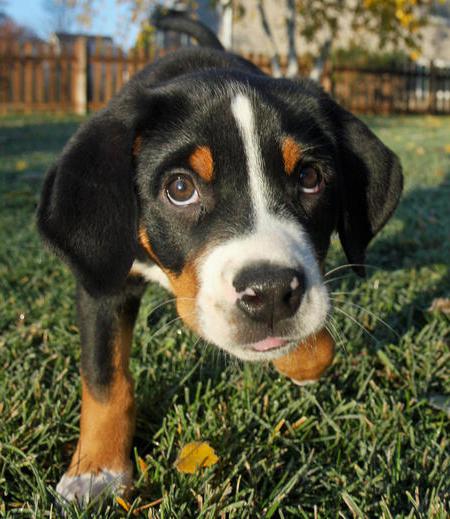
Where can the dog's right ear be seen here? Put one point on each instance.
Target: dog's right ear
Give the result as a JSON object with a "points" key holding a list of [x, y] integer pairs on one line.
{"points": [[88, 208]]}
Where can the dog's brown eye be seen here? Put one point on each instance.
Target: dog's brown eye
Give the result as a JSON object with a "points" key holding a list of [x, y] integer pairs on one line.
{"points": [[181, 191], [310, 180]]}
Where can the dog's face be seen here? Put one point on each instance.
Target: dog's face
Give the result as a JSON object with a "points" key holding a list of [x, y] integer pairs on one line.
{"points": [[233, 190]]}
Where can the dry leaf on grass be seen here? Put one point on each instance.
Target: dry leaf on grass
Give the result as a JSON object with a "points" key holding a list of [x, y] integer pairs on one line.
{"points": [[440, 304], [120, 501], [194, 456], [143, 467]]}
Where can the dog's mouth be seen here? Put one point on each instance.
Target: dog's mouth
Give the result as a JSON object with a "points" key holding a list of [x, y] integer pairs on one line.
{"points": [[270, 348], [269, 343]]}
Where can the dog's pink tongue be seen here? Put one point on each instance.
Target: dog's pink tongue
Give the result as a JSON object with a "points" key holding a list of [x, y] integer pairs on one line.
{"points": [[268, 344]]}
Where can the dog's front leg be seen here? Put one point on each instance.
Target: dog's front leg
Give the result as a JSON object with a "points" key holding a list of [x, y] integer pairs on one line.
{"points": [[101, 462]]}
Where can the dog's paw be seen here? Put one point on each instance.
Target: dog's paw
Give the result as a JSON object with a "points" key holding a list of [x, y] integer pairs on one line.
{"points": [[85, 487]]}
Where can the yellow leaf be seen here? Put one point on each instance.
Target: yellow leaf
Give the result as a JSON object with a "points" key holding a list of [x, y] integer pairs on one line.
{"points": [[414, 55], [194, 456], [123, 503], [279, 426], [420, 151], [447, 148], [21, 165], [143, 467], [298, 423]]}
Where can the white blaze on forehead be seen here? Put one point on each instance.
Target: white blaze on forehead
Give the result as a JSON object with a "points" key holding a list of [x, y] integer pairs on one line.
{"points": [[275, 237], [242, 110]]}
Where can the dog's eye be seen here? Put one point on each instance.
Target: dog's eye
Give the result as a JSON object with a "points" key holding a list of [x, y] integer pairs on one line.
{"points": [[311, 180], [181, 191]]}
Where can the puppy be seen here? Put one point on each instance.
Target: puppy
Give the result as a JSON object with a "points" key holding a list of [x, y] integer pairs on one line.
{"points": [[222, 184]]}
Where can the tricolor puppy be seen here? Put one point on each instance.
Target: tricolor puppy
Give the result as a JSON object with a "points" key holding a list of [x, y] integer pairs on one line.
{"points": [[224, 185]]}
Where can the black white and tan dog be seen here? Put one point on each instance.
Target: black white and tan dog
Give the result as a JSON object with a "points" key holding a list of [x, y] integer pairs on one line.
{"points": [[225, 186]]}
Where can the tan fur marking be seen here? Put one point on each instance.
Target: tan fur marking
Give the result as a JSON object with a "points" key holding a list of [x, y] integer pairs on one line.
{"points": [[107, 423], [145, 243], [185, 285], [137, 145], [291, 154], [201, 161]]}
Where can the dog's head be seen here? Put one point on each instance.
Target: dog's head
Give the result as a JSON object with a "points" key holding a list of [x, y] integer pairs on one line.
{"points": [[232, 186]]}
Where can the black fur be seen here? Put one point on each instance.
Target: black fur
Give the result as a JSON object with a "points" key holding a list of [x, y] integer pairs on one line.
{"points": [[178, 21], [100, 320]]}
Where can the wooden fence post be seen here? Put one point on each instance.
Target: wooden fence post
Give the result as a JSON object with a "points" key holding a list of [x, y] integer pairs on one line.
{"points": [[79, 82]]}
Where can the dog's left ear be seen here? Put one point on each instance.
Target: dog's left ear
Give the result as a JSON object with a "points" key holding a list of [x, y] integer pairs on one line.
{"points": [[370, 186]]}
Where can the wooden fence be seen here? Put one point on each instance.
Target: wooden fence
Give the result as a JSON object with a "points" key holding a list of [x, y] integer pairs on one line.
{"points": [[81, 77], [37, 76], [411, 88]]}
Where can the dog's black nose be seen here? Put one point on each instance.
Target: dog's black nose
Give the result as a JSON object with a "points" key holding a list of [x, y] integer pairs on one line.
{"points": [[269, 293]]}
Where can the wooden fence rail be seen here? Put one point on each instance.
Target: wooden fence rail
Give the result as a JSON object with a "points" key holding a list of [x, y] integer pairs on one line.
{"points": [[81, 77]]}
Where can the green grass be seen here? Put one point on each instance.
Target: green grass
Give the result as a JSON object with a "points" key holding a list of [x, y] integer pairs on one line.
{"points": [[371, 444]]}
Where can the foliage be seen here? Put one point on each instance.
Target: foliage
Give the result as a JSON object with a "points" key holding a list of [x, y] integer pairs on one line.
{"points": [[356, 56], [391, 23], [367, 441]]}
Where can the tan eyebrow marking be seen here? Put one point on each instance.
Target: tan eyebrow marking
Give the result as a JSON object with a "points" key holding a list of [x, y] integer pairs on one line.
{"points": [[292, 153], [201, 161]]}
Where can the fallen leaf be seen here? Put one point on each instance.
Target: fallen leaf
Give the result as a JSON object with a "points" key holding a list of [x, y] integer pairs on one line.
{"points": [[21, 165], [440, 304], [194, 456], [123, 503], [143, 467], [420, 150], [298, 423], [279, 426]]}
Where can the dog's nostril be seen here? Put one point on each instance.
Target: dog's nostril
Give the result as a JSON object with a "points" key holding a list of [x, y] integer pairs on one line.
{"points": [[269, 293], [255, 299]]}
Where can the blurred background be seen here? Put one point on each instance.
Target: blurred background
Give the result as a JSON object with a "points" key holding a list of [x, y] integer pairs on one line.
{"points": [[374, 56]]}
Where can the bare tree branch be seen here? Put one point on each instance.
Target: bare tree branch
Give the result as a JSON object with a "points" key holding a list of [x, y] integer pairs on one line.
{"points": [[292, 68], [276, 68]]}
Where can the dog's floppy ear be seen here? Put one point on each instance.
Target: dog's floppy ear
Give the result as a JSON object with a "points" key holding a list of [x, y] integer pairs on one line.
{"points": [[88, 208], [370, 186]]}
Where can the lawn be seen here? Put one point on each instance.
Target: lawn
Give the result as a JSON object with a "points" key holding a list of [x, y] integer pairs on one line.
{"points": [[370, 440]]}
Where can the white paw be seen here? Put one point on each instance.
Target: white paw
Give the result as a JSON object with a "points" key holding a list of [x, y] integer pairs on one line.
{"points": [[88, 486]]}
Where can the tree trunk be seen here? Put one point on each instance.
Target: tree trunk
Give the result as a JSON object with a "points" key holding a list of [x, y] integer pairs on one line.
{"points": [[317, 70], [292, 68], [226, 23], [275, 59]]}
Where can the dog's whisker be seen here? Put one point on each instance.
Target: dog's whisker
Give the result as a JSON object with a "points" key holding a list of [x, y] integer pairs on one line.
{"points": [[375, 316], [166, 325], [168, 301], [353, 319], [337, 333], [339, 278], [350, 265]]}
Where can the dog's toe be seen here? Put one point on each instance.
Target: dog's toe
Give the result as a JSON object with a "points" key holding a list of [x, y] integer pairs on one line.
{"points": [[85, 487]]}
